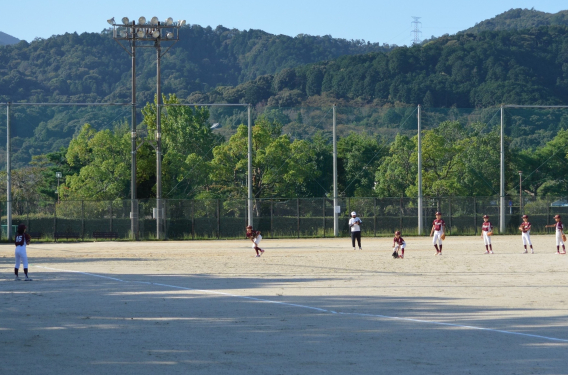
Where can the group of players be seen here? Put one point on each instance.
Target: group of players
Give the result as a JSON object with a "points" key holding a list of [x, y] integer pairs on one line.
{"points": [[438, 233]]}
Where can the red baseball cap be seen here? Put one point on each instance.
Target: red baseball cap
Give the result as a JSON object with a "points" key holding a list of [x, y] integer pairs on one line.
{"points": [[397, 232], [557, 217], [525, 216], [438, 213], [485, 217]]}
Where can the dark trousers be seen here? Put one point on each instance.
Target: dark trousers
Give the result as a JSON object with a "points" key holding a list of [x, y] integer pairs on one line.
{"points": [[356, 235]]}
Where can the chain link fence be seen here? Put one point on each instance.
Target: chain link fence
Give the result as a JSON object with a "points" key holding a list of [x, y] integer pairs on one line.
{"points": [[276, 217]]}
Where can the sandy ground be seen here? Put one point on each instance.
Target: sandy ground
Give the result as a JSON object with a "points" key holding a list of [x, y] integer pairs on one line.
{"points": [[315, 307]]}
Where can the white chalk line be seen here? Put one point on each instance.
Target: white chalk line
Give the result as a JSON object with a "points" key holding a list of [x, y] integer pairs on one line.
{"points": [[256, 299]]}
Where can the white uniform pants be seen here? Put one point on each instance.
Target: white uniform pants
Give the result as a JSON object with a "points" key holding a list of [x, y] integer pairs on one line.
{"points": [[486, 238], [21, 257], [398, 247], [527, 238], [437, 237], [559, 238], [257, 241]]}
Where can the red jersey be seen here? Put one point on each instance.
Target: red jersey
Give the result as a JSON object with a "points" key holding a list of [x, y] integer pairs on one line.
{"points": [[559, 226], [253, 233], [487, 227], [525, 227], [438, 224], [398, 241]]}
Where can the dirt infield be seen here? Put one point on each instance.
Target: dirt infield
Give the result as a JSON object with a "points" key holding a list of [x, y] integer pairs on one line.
{"points": [[306, 307]]}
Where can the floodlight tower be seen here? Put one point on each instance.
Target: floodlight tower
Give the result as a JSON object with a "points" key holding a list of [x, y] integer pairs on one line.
{"points": [[147, 34], [417, 25]]}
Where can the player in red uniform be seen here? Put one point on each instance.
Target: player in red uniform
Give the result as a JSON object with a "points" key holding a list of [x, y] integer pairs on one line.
{"points": [[398, 243], [438, 229], [525, 228], [559, 233], [487, 228], [255, 237]]}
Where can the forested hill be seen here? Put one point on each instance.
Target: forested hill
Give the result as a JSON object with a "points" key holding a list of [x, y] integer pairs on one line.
{"points": [[93, 67], [464, 70], [518, 19], [7, 39]]}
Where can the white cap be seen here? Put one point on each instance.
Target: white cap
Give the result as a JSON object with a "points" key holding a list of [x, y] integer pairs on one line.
{"points": [[353, 213]]}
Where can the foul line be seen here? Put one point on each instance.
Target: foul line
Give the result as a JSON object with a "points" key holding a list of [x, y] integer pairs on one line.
{"points": [[206, 291]]}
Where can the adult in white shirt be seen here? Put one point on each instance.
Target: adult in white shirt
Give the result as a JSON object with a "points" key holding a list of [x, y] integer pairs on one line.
{"points": [[355, 225]]}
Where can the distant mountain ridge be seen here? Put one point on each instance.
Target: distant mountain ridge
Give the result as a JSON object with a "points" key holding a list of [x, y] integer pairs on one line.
{"points": [[519, 19], [6, 39]]}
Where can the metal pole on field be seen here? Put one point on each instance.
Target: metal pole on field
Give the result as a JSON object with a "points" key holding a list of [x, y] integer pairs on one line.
{"points": [[420, 198], [158, 145], [335, 200], [249, 170], [8, 177], [133, 205], [502, 173]]}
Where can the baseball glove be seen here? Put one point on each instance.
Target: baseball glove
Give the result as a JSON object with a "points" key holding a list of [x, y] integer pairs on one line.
{"points": [[443, 236], [563, 237], [490, 233], [395, 254]]}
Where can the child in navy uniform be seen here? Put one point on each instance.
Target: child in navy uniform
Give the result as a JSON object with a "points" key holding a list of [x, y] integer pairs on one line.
{"points": [[22, 239]]}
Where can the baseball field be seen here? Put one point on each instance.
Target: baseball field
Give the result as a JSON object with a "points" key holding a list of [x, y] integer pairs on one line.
{"points": [[307, 306]]}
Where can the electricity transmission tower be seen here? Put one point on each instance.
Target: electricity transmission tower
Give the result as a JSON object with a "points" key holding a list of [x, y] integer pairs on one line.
{"points": [[416, 25]]}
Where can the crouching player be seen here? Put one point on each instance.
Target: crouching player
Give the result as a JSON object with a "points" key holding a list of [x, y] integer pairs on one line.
{"points": [[559, 234], [398, 244], [486, 232], [525, 229], [255, 237]]}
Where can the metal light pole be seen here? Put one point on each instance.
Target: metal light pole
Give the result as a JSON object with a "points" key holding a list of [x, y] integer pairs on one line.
{"points": [[147, 34], [249, 171], [521, 191], [58, 175], [502, 173], [335, 199], [420, 198], [8, 176]]}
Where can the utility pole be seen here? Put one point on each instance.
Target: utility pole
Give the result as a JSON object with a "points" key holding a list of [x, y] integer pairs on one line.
{"points": [[8, 175], [420, 197], [335, 200]]}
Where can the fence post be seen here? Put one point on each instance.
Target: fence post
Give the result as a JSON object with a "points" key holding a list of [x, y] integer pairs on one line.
{"points": [[271, 216], [375, 216], [349, 206], [400, 216], [323, 205], [475, 215], [450, 209], [28, 215], [192, 219], [218, 220], [298, 214], [547, 216], [54, 220], [82, 220], [110, 213]]}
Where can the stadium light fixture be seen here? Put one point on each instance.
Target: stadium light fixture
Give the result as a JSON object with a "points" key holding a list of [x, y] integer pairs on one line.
{"points": [[142, 20], [123, 33], [182, 23], [154, 21], [169, 21], [170, 35], [111, 21], [140, 33], [125, 21], [156, 34]]}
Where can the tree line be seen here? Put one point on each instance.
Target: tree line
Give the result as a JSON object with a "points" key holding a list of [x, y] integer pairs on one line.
{"points": [[458, 160]]}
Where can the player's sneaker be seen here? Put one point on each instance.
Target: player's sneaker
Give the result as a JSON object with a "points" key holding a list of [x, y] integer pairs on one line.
{"points": [[261, 251], [257, 255], [486, 252], [353, 248], [360, 249], [491, 252], [437, 253], [532, 251], [525, 252], [564, 252], [17, 278], [28, 278]]}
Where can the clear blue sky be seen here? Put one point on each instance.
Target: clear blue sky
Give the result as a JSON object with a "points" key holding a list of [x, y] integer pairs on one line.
{"points": [[375, 21]]}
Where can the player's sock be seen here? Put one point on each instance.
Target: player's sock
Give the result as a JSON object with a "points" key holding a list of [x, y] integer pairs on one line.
{"points": [[440, 249], [16, 271], [558, 248], [490, 247], [26, 271], [436, 246], [487, 247], [402, 252]]}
